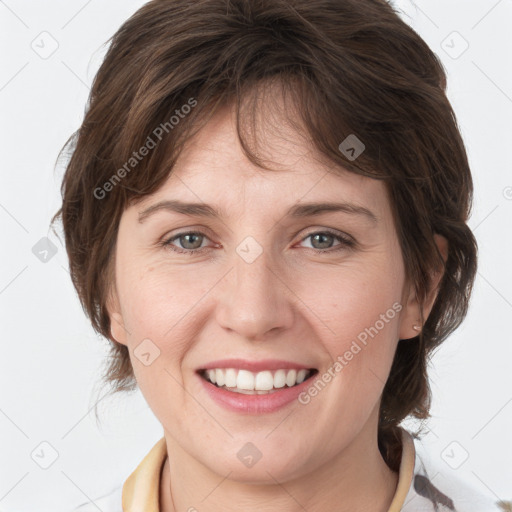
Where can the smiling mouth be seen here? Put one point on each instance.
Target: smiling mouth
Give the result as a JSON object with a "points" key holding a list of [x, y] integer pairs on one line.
{"points": [[256, 383]]}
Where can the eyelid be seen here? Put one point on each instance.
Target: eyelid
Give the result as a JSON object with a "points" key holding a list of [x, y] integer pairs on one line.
{"points": [[203, 230], [167, 239], [330, 231], [200, 230], [347, 241]]}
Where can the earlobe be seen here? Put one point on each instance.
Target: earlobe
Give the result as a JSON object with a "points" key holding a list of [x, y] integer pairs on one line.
{"points": [[117, 329], [411, 322]]}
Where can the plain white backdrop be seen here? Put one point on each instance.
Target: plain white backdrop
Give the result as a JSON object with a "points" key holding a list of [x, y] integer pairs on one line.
{"points": [[53, 454]]}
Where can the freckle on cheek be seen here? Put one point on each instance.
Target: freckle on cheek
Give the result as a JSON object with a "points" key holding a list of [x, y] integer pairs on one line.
{"points": [[144, 272]]}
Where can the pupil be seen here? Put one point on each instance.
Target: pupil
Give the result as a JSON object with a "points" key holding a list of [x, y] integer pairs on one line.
{"points": [[323, 235], [188, 236]]}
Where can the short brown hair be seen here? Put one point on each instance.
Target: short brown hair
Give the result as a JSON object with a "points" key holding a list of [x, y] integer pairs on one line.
{"points": [[353, 67]]}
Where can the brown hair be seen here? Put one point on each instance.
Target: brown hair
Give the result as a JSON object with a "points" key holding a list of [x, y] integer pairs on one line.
{"points": [[352, 67]]}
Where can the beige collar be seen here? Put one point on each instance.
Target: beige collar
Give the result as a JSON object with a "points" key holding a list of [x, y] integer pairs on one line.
{"points": [[405, 473], [141, 490]]}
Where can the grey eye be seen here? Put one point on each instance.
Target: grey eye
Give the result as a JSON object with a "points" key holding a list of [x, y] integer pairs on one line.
{"points": [[190, 240], [324, 240]]}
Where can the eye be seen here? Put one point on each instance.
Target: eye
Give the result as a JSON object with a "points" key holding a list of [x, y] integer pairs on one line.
{"points": [[190, 241], [322, 241]]}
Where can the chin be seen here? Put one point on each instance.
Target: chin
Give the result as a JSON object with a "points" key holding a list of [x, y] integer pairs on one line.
{"points": [[272, 466]]}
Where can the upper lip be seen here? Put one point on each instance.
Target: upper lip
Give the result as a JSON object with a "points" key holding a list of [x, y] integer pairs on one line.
{"points": [[255, 366]]}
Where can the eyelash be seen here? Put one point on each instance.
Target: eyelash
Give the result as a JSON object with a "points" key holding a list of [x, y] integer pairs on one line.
{"points": [[346, 242]]}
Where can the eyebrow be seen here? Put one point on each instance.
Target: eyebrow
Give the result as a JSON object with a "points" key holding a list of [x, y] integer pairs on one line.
{"points": [[298, 211]]}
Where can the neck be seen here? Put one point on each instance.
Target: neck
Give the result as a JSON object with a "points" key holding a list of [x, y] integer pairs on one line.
{"points": [[355, 480]]}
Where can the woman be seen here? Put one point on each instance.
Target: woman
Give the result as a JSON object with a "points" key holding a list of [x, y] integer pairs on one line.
{"points": [[266, 213]]}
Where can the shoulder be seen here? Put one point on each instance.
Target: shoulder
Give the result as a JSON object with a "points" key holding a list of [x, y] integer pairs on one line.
{"points": [[111, 502], [435, 489]]}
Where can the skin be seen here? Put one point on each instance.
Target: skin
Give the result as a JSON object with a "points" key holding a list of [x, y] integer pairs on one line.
{"points": [[290, 303]]}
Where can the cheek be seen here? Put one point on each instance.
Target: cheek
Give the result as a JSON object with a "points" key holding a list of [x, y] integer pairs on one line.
{"points": [[155, 299], [365, 341], [158, 307], [348, 299], [162, 308], [357, 312]]}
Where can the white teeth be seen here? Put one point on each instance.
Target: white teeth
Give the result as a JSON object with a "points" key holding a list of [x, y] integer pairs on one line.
{"points": [[245, 380], [230, 380], [280, 379], [291, 377], [262, 382], [219, 377], [301, 375]]}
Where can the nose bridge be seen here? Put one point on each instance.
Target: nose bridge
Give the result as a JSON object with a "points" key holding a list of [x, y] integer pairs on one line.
{"points": [[254, 299]]}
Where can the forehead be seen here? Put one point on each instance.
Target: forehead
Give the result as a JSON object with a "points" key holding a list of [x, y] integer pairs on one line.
{"points": [[213, 169]]}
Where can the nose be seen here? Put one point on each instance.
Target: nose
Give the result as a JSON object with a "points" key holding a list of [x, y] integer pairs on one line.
{"points": [[254, 299]]}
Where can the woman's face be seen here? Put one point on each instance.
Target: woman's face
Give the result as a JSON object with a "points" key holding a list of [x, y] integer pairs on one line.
{"points": [[265, 286]]}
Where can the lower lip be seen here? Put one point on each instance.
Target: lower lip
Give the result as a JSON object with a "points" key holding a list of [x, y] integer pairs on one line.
{"points": [[254, 404]]}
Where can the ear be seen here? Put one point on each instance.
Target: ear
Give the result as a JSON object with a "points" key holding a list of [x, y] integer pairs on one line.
{"points": [[117, 328], [411, 313]]}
